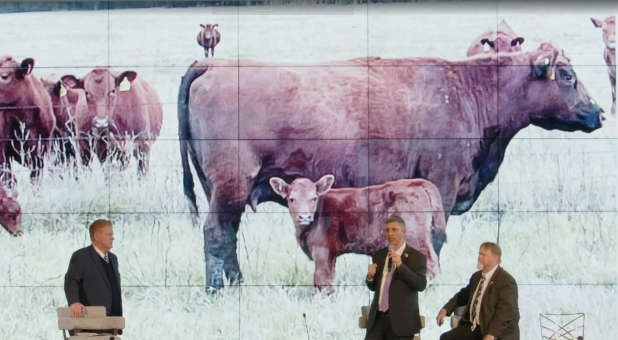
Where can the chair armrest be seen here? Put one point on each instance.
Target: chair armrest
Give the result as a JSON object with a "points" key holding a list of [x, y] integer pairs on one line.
{"points": [[85, 323]]}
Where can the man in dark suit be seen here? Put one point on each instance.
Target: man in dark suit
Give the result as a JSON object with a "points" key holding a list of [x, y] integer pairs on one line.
{"points": [[396, 276], [490, 299], [92, 278]]}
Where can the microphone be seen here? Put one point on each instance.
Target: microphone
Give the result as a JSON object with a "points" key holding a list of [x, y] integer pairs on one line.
{"points": [[306, 327], [391, 248]]}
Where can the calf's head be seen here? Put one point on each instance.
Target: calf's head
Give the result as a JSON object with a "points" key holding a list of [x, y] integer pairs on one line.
{"points": [[302, 196]]}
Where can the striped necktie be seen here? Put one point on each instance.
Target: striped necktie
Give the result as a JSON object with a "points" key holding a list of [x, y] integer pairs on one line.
{"points": [[106, 258], [477, 297]]}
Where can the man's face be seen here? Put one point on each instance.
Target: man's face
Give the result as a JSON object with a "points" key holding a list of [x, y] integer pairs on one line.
{"points": [[104, 238], [394, 234], [486, 260]]}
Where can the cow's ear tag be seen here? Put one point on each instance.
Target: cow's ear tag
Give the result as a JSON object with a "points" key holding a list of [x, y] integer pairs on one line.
{"points": [[63, 90], [552, 73], [125, 85]]}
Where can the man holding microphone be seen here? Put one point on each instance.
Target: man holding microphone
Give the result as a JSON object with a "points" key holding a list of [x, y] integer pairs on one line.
{"points": [[396, 275]]}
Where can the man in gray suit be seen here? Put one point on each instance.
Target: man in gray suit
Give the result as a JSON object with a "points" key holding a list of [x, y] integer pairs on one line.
{"points": [[92, 278], [490, 299], [396, 276]]}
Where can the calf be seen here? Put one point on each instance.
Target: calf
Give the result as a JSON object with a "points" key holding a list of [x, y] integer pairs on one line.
{"points": [[609, 54], [208, 38], [331, 222]]}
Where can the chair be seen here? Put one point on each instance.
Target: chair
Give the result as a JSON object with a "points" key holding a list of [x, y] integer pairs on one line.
{"points": [[364, 318], [94, 319], [457, 316]]}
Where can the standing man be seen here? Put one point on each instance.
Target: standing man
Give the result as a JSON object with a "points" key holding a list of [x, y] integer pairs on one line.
{"points": [[396, 276], [490, 299], [93, 278]]}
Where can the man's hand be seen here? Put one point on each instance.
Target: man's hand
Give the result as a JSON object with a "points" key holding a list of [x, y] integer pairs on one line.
{"points": [[396, 258], [77, 309], [371, 272], [440, 317], [489, 337]]}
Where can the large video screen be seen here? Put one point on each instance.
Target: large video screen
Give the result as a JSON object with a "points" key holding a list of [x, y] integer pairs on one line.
{"points": [[189, 126]]}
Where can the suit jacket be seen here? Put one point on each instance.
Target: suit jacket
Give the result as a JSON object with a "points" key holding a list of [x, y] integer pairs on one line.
{"points": [[408, 280], [499, 313], [86, 281]]}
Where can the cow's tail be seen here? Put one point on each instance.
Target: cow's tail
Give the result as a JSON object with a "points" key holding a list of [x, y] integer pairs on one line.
{"points": [[184, 134]]}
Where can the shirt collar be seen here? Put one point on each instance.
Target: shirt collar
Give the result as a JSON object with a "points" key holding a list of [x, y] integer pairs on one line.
{"points": [[101, 253], [490, 273], [401, 249]]}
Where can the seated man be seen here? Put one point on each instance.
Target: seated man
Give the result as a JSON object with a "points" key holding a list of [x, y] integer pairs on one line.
{"points": [[490, 299]]}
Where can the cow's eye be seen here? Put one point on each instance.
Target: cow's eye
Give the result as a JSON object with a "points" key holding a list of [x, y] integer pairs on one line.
{"points": [[314, 199], [567, 76], [112, 92], [292, 200]]}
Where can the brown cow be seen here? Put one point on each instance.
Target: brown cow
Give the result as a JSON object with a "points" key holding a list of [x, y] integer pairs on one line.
{"points": [[331, 222], [427, 118], [28, 120], [10, 212], [73, 119], [501, 40], [609, 54], [208, 38], [124, 107]]}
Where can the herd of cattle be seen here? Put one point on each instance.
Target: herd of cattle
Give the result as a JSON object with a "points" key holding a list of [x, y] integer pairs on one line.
{"points": [[368, 158]]}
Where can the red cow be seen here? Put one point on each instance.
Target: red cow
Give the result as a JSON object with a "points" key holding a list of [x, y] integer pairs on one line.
{"points": [[208, 38], [445, 121], [124, 107], [331, 222], [10, 212], [27, 117], [609, 54], [72, 117], [501, 40]]}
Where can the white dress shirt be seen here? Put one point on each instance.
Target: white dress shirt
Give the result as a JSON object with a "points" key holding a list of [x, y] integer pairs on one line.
{"points": [[385, 269], [487, 277]]}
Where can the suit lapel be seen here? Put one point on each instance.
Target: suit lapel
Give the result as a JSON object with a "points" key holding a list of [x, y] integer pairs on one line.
{"points": [[490, 286], [96, 260], [475, 283]]}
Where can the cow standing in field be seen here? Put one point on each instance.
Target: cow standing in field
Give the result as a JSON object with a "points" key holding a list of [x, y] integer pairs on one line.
{"points": [[609, 53], [123, 107], [27, 120], [501, 40], [445, 121], [331, 222], [72, 117], [208, 38], [10, 212]]}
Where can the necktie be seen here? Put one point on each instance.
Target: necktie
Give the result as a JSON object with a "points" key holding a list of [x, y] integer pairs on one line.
{"points": [[477, 297], [106, 258]]}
